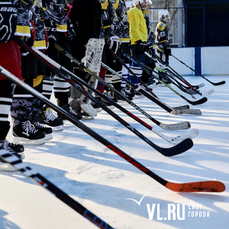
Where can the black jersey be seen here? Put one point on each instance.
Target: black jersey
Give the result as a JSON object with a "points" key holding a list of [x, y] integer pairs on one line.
{"points": [[8, 21], [161, 34]]}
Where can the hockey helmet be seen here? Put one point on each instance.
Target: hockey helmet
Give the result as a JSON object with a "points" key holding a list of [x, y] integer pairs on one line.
{"points": [[163, 14], [135, 2], [129, 4]]}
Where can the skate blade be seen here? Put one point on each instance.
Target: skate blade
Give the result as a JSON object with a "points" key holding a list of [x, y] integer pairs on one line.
{"points": [[5, 167], [22, 155], [121, 102], [58, 128], [28, 142], [48, 137], [151, 86], [89, 117], [98, 109], [138, 97], [111, 107]]}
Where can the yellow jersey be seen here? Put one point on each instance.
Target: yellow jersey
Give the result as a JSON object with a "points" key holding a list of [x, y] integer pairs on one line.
{"points": [[137, 25]]}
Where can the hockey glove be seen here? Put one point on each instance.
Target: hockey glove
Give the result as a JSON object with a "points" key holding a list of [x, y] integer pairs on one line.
{"points": [[167, 51], [141, 47], [71, 32]]}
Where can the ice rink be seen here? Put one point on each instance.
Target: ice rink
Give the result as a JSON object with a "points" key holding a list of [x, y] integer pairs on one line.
{"points": [[107, 185]]}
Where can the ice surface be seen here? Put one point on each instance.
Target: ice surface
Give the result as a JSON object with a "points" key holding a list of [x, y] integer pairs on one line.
{"points": [[104, 183]]}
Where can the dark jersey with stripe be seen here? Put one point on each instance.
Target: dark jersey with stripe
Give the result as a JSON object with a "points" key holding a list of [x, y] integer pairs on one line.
{"points": [[8, 21]]}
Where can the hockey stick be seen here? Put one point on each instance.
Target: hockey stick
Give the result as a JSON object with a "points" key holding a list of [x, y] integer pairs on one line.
{"points": [[57, 68], [183, 80], [141, 65], [161, 63], [170, 77], [170, 73], [149, 70], [200, 186], [187, 89], [152, 97], [132, 73], [172, 110], [173, 140], [175, 81], [178, 76], [167, 74], [215, 84], [39, 179]]}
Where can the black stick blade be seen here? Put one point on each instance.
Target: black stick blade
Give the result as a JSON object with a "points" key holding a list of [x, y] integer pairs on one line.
{"points": [[219, 83], [198, 102], [177, 149]]}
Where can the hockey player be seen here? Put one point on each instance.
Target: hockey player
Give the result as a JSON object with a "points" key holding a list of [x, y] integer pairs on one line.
{"points": [[122, 31], [10, 59], [24, 107], [86, 27], [146, 78], [109, 22], [138, 37], [56, 26], [38, 14], [162, 41]]}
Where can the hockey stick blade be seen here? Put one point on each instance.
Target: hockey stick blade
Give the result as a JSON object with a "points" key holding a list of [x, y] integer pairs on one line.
{"points": [[219, 83], [200, 85], [181, 107], [187, 111], [200, 186], [177, 149], [208, 93], [197, 86], [176, 140], [176, 126], [205, 94], [215, 84], [189, 134], [198, 102], [39, 179]]}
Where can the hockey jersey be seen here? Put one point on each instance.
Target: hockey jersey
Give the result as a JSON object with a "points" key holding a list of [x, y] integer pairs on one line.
{"points": [[138, 29], [23, 23], [38, 15], [85, 26], [161, 34], [122, 28], [8, 21], [57, 11], [109, 19]]}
